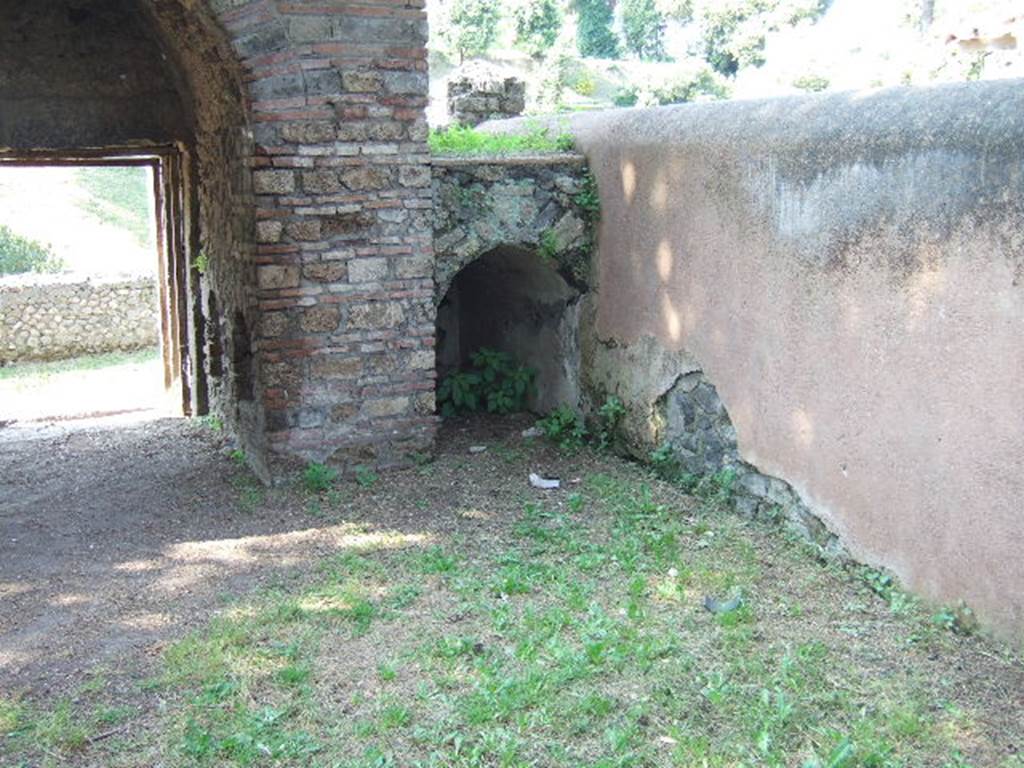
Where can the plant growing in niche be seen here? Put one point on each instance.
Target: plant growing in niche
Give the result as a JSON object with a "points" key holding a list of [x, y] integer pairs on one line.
{"points": [[496, 383]]}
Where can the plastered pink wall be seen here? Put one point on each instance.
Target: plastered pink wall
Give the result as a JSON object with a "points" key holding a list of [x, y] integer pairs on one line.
{"points": [[849, 272]]}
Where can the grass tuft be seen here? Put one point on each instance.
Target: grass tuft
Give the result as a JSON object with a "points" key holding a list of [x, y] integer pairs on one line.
{"points": [[460, 140]]}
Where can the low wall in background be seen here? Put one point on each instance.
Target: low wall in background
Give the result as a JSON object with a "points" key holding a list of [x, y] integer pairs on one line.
{"points": [[828, 292], [54, 317]]}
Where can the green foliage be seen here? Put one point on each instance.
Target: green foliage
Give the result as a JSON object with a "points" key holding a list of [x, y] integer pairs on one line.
{"points": [[564, 427], [548, 248], [594, 36], [537, 24], [589, 199], [560, 71], [201, 262], [663, 460], [472, 27], [734, 32], [644, 29], [460, 140], [318, 478], [366, 477], [567, 633], [120, 196], [677, 10], [46, 370], [610, 416], [584, 83], [459, 393], [958, 618], [213, 423], [811, 83], [19, 255], [496, 383], [701, 85]]}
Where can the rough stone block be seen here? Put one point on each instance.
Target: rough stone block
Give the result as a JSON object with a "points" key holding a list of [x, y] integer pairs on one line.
{"points": [[269, 231], [362, 82], [320, 182], [275, 276], [366, 177], [320, 319], [335, 367], [326, 271], [273, 182], [376, 315], [414, 176], [367, 270], [320, 132], [304, 229], [389, 406]]}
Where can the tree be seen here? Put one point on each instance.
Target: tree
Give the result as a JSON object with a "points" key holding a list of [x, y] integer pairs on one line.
{"points": [[644, 29], [472, 27], [594, 36], [734, 31], [538, 23]]}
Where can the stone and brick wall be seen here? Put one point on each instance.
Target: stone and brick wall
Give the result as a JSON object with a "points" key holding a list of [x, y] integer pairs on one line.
{"points": [[341, 178], [307, 191], [55, 317]]}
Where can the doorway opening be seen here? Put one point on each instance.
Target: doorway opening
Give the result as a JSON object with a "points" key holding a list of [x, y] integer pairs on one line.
{"points": [[91, 285], [513, 301]]}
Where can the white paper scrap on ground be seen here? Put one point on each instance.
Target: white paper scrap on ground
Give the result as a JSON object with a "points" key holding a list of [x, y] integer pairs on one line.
{"points": [[544, 483]]}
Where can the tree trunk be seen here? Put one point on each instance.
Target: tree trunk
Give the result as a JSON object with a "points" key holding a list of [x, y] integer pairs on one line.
{"points": [[927, 13]]}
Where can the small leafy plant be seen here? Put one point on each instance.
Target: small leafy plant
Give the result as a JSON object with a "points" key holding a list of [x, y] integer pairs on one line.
{"points": [[548, 248], [366, 477], [588, 198], [610, 416], [497, 383], [319, 477], [564, 427], [665, 463], [957, 618]]}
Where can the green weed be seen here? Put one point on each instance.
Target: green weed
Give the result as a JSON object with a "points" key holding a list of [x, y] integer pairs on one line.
{"points": [[460, 140], [564, 427], [319, 478]]}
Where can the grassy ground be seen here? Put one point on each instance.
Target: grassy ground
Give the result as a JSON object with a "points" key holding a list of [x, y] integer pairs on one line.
{"points": [[485, 623], [74, 365], [458, 140], [84, 386]]}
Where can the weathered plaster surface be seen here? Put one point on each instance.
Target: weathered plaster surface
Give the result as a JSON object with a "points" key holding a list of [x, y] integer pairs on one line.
{"points": [[848, 271]]}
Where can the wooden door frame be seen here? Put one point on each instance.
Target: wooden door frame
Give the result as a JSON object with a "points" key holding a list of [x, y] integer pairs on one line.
{"points": [[181, 343]]}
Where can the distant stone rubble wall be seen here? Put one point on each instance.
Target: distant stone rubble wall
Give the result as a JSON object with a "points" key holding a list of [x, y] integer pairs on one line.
{"points": [[55, 317], [477, 94]]}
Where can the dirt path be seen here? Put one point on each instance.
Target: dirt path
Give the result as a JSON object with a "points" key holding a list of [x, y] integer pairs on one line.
{"points": [[114, 537]]}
